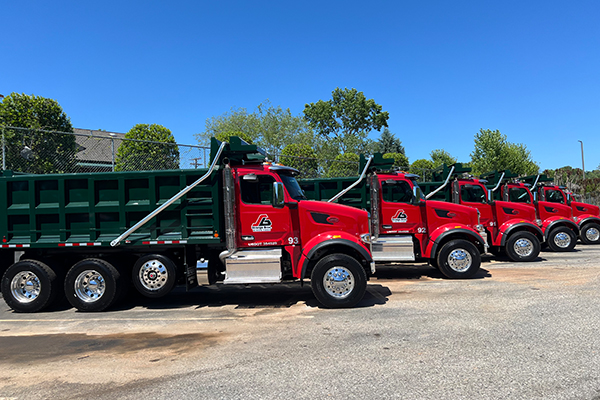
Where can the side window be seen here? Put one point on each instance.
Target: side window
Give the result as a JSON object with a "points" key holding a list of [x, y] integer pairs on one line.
{"points": [[472, 194], [554, 196], [519, 195], [257, 191], [396, 192]]}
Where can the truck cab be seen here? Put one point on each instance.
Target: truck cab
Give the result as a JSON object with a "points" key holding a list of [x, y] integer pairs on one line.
{"points": [[511, 228]]}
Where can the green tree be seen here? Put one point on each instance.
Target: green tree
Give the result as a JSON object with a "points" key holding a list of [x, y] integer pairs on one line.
{"points": [[143, 152], [41, 148], [388, 143], [270, 127], [302, 157], [494, 152], [440, 156], [346, 119], [345, 164], [400, 160]]}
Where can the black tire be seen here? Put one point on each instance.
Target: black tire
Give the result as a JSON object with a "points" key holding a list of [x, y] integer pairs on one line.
{"points": [[29, 286], [459, 259], [93, 285], [345, 294], [523, 247], [154, 275], [562, 239], [590, 233]]}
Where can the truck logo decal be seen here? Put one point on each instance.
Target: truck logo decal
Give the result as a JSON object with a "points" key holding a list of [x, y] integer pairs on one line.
{"points": [[262, 224], [400, 216]]}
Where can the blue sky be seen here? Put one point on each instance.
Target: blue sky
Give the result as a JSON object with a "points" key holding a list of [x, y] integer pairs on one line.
{"points": [[442, 69]]}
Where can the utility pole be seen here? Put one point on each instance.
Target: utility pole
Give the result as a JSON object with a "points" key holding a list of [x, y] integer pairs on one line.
{"points": [[582, 163]]}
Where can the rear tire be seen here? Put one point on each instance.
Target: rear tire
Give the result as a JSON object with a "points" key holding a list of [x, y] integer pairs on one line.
{"points": [[590, 233], [154, 275], [93, 285], [338, 281], [561, 239], [459, 259], [523, 247], [29, 286]]}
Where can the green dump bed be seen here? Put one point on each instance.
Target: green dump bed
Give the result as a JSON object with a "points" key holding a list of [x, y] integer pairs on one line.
{"points": [[93, 209]]}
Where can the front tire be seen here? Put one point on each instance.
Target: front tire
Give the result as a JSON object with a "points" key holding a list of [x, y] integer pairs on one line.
{"points": [[338, 281], [590, 233], [29, 286], [154, 275], [523, 247], [562, 239], [93, 285], [459, 259]]}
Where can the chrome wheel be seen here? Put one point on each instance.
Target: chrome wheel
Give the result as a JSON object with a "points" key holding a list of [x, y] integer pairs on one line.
{"points": [[523, 247], [459, 260], [562, 240], [153, 275], [592, 234], [90, 286], [338, 282], [25, 287]]}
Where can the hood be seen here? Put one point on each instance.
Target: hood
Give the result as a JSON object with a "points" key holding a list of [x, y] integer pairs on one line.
{"points": [[451, 213], [325, 216]]}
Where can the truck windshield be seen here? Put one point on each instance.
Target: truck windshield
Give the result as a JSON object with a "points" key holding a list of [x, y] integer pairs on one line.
{"points": [[519, 195], [292, 187], [473, 194]]}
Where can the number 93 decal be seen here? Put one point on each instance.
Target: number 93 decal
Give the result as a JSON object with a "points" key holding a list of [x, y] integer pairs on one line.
{"points": [[293, 240]]}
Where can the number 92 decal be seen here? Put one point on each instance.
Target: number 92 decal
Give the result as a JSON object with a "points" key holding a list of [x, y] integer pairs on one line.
{"points": [[422, 230], [293, 240]]}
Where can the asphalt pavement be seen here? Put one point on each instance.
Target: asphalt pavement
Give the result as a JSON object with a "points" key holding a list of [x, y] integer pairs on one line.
{"points": [[515, 331]]}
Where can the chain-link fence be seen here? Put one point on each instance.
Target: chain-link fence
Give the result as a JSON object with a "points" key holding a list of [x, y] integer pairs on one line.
{"points": [[42, 151]]}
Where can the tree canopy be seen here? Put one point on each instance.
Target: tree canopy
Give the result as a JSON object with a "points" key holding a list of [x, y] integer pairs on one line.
{"points": [[388, 143], [271, 127], [400, 160], [140, 154], [440, 156], [41, 148], [494, 152], [345, 164], [346, 119], [302, 157]]}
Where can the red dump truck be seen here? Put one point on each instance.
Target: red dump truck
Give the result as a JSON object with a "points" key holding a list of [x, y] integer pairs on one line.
{"points": [[512, 228], [405, 227], [241, 221]]}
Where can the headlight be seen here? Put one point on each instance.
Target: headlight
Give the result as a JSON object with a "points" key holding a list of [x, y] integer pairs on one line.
{"points": [[539, 222], [575, 219], [366, 237], [480, 228]]}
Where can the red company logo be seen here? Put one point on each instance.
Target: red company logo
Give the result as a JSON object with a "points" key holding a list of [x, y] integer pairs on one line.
{"points": [[262, 224], [400, 216]]}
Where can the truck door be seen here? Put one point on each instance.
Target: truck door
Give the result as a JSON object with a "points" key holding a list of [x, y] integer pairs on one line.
{"points": [[474, 195], [398, 214], [260, 224]]}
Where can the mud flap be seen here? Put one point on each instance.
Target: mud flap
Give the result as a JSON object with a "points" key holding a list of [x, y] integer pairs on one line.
{"points": [[191, 280]]}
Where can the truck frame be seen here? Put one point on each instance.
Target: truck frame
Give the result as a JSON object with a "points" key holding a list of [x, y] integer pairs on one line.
{"points": [[241, 221]]}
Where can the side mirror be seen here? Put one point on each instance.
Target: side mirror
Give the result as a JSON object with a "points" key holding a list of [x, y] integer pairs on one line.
{"points": [[417, 195], [278, 195], [569, 199], [490, 196]]}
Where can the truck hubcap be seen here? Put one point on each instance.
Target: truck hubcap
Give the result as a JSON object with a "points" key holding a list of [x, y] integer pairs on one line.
{"points": [[338, 282], [25, 287], [562, 240], [592, 234], [89, 286], [153, 275], [459, 260], [523, 247]]}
